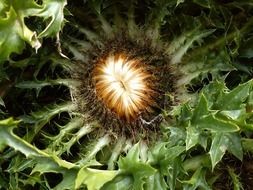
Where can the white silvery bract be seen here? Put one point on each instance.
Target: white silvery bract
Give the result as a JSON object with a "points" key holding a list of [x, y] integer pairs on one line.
{"points": [[122, 85]]}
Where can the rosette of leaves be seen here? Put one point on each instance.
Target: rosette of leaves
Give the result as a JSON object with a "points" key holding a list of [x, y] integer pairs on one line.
{"points": [[205, 139]]}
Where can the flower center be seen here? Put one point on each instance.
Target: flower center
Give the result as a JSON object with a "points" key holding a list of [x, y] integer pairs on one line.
{"points": [[122, 85]]}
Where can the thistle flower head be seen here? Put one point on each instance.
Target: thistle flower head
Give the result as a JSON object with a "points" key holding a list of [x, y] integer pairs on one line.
{"points": [[122, 85]]}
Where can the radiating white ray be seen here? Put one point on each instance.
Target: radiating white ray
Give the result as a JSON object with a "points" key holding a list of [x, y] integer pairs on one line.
{"points": [[122, 85]]}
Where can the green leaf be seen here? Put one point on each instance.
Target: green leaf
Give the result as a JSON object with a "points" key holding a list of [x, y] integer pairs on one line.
{"points": [[247, 144], [196, 162], [54, 164], [68, 181], [94, 147], [165, 157], [3, 6], [13, 30], [94, 179], [223, 142], [7, 137], [231, 105], [195, 67], [53, 10], [43, 116], [197, 181], [213, 90], [215, 124], [192, 137], [186, 113], [66, 135], [115, 153], [43, 162], [176, 135], [174, 171], [233, 114], [10, 32], [204, 119], [234, 99], [120, 182], [38, 85], [25, 8], [179, 47], [235, 146], [200, 110], [132, 165], [156, 182], [218, 148]]}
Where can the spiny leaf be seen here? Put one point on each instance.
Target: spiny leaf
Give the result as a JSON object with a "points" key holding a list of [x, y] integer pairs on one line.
{"points": [[196, 162], [212, 91], [165, 158], [132, 165], [47, 163], [247, 144], [164, 154], [200, 110], [38, 85], [197, 181], [53, 10], [234, 99], [156, 182], [205, 119], [196, 36], [42, 117], [84, 130], [120, 182], [93, 149], [13, 33], [223, 142], [215, 124], [94, 179], [7, 137], [192, 137], [115, 153], [58, 145], [14, 30]]}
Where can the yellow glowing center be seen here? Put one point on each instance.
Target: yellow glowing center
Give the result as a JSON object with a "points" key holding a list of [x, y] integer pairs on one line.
{"points": [[122, 85]]}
